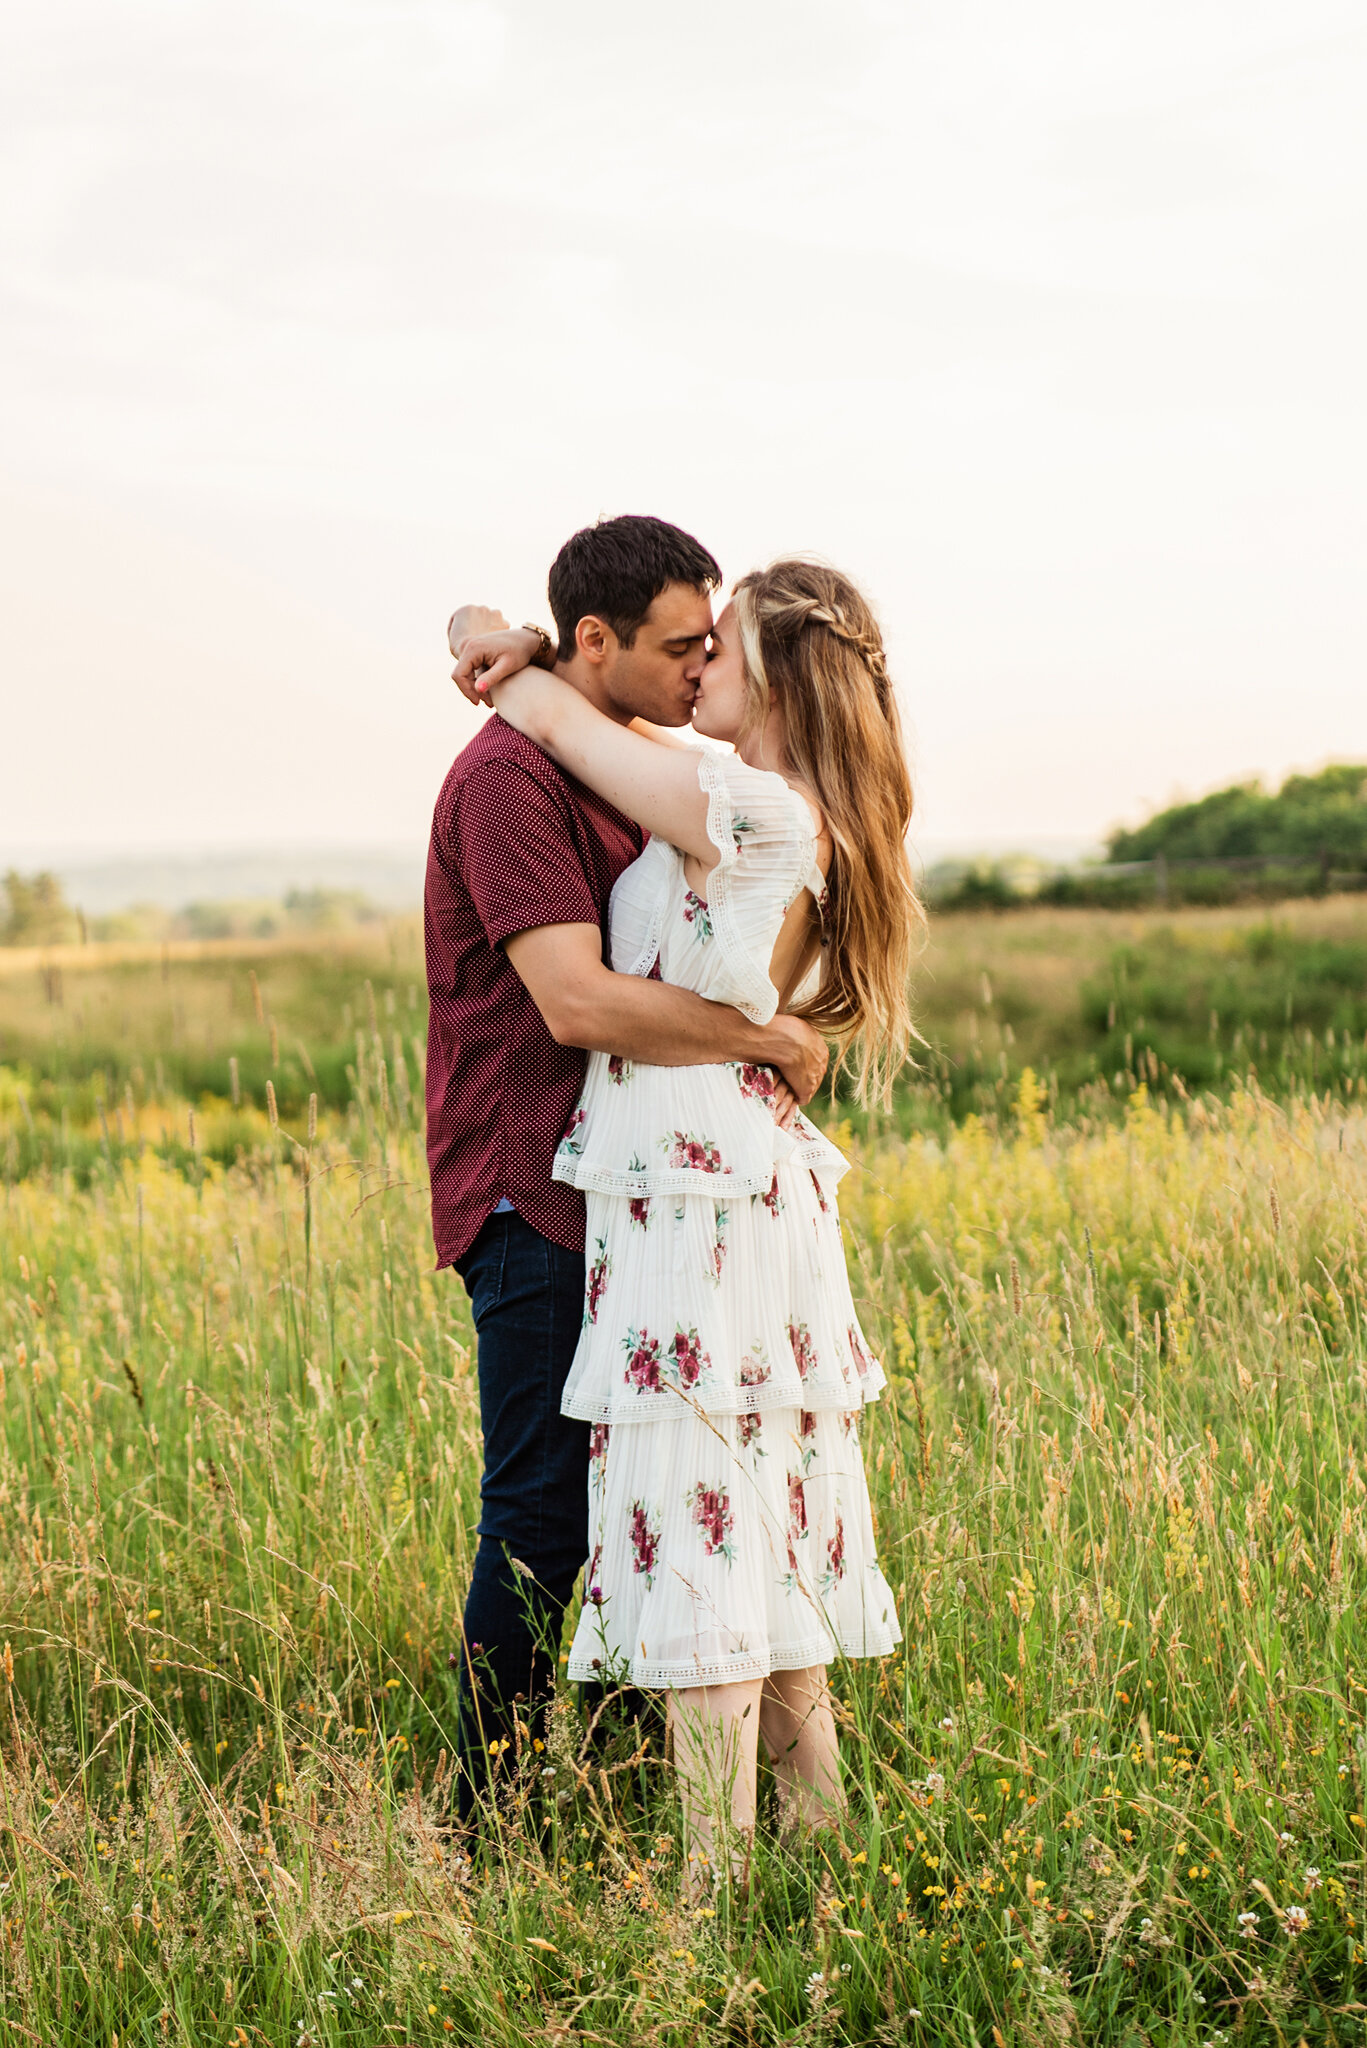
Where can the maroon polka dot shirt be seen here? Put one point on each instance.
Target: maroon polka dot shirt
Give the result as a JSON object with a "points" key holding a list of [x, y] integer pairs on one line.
{"points": [[515, 844]]}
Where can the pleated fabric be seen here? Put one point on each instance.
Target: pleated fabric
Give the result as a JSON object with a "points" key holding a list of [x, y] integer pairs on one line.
{"points": [[721, 1361]]}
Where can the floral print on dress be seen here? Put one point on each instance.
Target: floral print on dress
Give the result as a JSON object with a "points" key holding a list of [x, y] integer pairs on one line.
{"points": [[755, 1368], [820, 1196], [712, 1514], [638, 1208], [599, 1437], [719, 1242], [643, 1362], [572, 1142], [696, 913], [597, 1281], [804, 1351], [593, 1591], [687, 1152], [773, 1201], [835, 1558], [619, 1070], [806, 1430], [797, 1508], [863, 1363], [645, 1541], [739, 827], [756, 1084], [749, 1430], [691, 1361]]}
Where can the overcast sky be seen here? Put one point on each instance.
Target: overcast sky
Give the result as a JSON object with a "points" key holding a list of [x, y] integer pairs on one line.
{"points": [[1046, 322]]}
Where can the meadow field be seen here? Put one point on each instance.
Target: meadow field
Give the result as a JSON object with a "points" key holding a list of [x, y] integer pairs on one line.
{"points": [[1111, 1789]]}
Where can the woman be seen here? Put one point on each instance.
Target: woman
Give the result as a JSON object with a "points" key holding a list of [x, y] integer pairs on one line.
{"points": [[721, 1362]]}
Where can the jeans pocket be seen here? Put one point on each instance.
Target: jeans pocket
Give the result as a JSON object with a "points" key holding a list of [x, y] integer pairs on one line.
{"points": [[484, 1267]]}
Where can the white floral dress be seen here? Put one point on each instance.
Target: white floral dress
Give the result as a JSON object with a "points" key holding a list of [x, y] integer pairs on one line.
{"points": [[721, 1362]]}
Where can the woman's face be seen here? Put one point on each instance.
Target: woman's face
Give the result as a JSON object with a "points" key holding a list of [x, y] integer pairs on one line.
{"points": [[719, 707]]}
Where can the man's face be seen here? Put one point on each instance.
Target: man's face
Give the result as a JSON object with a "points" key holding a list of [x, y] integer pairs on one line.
{"points": [[657, 676]]}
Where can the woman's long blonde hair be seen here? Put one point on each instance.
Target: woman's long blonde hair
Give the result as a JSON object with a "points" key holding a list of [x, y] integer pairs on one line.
{"points": [[809, 636]]}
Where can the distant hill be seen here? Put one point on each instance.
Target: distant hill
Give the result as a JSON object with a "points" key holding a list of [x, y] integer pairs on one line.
{"points": [[1308, 816]]}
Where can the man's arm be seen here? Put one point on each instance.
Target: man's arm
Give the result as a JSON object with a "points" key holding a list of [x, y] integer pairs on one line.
{"points": [[584, 1003]]}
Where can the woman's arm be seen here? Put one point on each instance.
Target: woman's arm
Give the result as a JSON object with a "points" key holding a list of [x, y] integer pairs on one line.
{"points": [[657, 786]]}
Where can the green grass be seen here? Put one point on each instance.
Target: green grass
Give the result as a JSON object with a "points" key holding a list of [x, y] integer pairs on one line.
{"points": [[1119, 1480]]}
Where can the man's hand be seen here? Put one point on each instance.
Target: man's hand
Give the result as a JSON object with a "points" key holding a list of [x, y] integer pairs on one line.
{"points": [[472, 618], [488, 655], [799, 1052]]}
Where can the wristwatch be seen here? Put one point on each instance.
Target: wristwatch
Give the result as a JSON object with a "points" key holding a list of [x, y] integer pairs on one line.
{"points": [[546, 649]]}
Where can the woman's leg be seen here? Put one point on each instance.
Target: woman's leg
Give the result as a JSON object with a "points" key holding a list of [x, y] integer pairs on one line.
{"points": [[798, 1727], [715, 1729]]}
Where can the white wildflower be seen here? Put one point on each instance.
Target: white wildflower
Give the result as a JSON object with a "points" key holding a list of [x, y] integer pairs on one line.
{"points": [[1296, 1920], [1313, 1880]]}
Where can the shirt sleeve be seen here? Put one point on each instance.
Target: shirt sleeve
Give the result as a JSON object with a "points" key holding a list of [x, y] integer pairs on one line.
{"points": [[512, 842], [766, 844]]}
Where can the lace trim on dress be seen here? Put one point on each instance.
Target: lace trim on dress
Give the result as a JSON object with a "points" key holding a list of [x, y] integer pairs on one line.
{"points": [[879, 1639]]}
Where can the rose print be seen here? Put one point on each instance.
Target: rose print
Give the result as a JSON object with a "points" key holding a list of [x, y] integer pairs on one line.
{"points": [[572, 1142], [773, 1201], [638, 1208], [825, 1205], [654, 974], [748, 1428], [598, 1280], [619, 1070], [835, 1554], [755, 1083], [861, 1356], [687, 1151], [643, 1361], [804, 1352], [645, 1542], [690, 1358], [696, 913], [712, 1514], [599, 1437], [797, 1506], [755, 1367], [719, 1242], [807, 1439]]}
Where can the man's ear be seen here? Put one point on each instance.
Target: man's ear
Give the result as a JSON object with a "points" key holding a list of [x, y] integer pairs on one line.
{"points": [[594, 639]]}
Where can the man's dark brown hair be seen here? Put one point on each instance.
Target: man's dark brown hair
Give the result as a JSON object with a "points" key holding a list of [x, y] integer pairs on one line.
{"points": [[616, 570]]}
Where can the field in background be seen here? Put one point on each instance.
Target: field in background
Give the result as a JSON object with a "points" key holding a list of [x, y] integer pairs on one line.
{"points": [[1092, 1001], [1112, 1788]]}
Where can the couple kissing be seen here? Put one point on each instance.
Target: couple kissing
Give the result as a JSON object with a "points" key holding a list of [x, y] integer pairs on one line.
{"points": [[663, 877]]}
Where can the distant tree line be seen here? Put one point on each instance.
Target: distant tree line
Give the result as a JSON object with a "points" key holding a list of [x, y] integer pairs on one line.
{"points": [[1307, 837], [1309, 816], [37, 913]]}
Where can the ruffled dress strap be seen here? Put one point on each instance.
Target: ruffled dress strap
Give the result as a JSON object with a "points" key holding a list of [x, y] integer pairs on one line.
{"points": [[766, 845]]}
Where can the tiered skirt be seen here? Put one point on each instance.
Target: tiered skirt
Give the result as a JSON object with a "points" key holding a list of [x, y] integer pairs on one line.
{"points": [[725, 1374]]}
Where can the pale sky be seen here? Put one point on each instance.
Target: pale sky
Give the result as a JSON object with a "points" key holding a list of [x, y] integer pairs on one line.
{"points": [[1044, 322]]}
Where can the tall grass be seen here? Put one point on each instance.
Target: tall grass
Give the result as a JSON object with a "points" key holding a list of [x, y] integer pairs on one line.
{"points": [[1110, 1790]]}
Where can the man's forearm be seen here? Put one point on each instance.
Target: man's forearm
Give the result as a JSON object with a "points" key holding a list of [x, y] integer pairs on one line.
{"points": [[659, 1025]]}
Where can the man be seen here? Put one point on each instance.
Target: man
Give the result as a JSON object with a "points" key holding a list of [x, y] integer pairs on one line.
{"points": [[520, 868]]}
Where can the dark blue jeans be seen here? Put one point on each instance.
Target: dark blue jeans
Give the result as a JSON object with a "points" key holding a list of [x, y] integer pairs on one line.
{"points": [[527, 1295]]}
